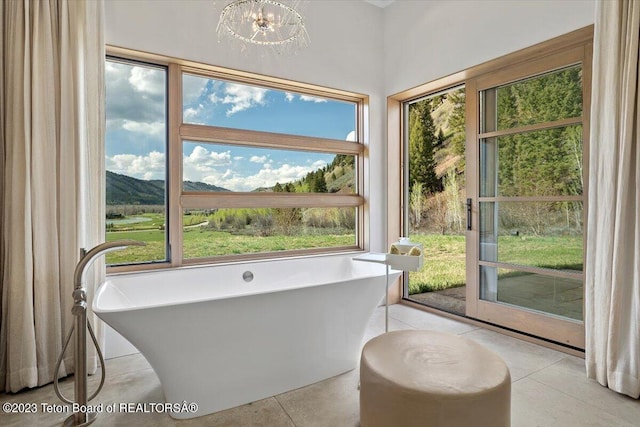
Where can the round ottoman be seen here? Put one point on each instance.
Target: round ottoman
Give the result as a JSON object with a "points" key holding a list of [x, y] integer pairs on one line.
{"points": [[429, 378]]}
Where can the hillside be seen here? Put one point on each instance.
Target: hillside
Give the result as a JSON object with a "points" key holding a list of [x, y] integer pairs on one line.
{"points": [[336, 177], [126, 190]]}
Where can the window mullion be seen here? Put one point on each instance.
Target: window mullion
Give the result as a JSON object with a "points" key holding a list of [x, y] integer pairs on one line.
{"points": [[215, 134], [269, 200], [532, 128], [175, 164]]}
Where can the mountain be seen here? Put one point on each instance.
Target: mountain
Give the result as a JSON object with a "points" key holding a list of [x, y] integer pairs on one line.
{"points": [[125, 190], [201, 186]]}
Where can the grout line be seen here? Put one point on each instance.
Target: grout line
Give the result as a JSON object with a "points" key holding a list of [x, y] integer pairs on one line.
{"points": [[545, 367], [587, 402], [403, 322], [394, 318], [284, 410], [418, 327]]}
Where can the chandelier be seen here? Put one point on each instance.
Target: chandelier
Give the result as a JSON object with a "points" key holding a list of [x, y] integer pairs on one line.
{"points": [[265, 23]]}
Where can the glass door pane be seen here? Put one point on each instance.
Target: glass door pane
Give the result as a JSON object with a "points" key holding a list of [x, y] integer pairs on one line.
{"points": [[530, 205], [435, 198]]}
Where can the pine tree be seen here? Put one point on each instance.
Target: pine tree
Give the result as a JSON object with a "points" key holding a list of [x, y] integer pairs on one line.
{"points": [[320, 183], [422, 137], [457, 127]]}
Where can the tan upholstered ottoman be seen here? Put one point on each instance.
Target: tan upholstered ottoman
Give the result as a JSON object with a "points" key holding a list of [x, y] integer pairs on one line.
{"points": [[429, 378]]}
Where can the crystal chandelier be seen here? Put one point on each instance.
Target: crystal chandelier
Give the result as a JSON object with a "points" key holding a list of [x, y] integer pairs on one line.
{"points": [[265, 23]]}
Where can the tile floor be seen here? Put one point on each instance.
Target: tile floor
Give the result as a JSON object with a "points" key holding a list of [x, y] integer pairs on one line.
{"points": [[549, 389]]}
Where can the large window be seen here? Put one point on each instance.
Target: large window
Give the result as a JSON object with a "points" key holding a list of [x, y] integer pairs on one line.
{"points": [[253, 166]]}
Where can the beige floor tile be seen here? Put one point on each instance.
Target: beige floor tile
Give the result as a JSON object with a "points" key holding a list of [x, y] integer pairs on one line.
{"points": [[568, 376], [536, 405], [125, 364], [264, 413], [522, 358], [423, 320], [376, 325], [332, 402], [38, 397]]}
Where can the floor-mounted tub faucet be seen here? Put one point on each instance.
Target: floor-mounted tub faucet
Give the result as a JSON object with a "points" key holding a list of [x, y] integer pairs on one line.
{"points": [[79, 310]]}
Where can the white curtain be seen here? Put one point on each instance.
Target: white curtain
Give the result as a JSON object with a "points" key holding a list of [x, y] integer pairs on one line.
{"points": [[612, 317], [51, 180]]}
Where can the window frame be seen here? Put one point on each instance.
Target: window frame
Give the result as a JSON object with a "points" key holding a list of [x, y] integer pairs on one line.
{"points": [[179, 132]]}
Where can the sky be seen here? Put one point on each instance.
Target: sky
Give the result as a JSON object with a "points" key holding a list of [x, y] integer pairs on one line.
{"points": [[136, 133]]}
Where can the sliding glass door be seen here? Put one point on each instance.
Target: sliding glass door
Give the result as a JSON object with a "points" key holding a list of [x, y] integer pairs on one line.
{"points": [[527, 266]]}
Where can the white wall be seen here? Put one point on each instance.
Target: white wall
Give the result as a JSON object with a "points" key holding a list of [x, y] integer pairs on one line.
{"points": [[345, 53], [426, 40]]}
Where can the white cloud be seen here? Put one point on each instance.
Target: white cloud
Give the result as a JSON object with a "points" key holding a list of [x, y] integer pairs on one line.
{"points": [[201, 155], [191, 113], [214, 168], [266, 177], [149, 80], [258, 159], [135, 93], [192, 88], [150, 166], [242, 97], [318, 164], [289, 96], [155, 128], [112, 71], [309, 98], [351, 136], [204, 165]]}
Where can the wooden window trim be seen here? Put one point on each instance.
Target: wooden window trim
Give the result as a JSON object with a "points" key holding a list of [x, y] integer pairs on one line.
{"points": [[252, 138], [535, 270], [200, 200], [483, 199], [532, 128]]}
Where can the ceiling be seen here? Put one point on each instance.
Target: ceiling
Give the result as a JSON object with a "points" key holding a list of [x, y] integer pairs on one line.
{"points": [[380, 3]]}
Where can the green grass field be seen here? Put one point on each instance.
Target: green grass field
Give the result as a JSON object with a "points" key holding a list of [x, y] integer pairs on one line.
{"points": [[204, 243], [444, 257], [444, 263]]}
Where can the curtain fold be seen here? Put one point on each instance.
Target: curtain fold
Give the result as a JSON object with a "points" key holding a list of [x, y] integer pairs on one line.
{"points": [[52, 91], [612, 283]]}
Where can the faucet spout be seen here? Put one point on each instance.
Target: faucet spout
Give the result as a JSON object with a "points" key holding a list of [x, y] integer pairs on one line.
{"points": [[88, 258]]}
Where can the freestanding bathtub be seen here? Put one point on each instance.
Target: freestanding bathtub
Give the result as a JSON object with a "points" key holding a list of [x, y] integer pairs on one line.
{"points": [[223, 336]]}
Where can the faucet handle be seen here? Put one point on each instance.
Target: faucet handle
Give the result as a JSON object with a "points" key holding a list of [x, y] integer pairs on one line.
{"points": [[79, 295], [79, 307]]}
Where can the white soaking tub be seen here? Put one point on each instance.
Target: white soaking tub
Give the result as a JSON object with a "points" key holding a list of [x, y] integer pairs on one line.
{"points": [[218, 340]]}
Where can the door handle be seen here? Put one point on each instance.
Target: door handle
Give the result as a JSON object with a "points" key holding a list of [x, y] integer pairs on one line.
{"points": [[468, 214]]}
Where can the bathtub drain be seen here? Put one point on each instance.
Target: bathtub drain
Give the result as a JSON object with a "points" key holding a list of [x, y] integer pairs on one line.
{"points": [[247, 276]]}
